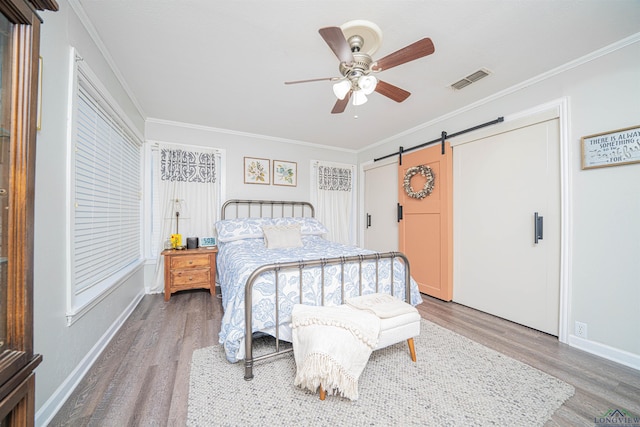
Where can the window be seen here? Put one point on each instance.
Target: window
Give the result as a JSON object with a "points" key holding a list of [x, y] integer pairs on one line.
{"points": [[194, 174], [184, 179], [105, 193], [333, 195]]}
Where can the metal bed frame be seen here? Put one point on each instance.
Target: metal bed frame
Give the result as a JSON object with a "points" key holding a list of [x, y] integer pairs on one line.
{"points": [[301, 265], [304, 208]]}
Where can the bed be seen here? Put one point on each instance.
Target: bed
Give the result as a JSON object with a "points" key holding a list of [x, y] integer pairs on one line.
{"points": [[272, 255]]}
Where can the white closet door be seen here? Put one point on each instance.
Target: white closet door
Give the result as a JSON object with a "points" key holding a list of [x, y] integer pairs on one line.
{"points": [[500, 181], [380, 202]]}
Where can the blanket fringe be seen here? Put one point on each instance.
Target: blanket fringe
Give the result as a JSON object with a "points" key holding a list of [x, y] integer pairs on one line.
{"points": [[319, 368], [370, 340]]}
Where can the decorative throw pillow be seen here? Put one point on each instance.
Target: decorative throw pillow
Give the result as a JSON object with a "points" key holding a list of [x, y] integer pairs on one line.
{"points": [[308, 225], [282, 236], [240, 228]]}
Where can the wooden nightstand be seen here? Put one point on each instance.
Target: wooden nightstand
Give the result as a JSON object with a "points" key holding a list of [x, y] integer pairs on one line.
{"points": [[189, 269]]}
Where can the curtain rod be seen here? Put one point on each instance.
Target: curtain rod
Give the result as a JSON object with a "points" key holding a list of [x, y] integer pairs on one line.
{"points": [[179, 146], [442, 139]]}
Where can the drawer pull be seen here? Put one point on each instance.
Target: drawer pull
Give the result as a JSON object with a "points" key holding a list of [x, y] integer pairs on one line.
{"points": [[190, 278], [190, 262]]}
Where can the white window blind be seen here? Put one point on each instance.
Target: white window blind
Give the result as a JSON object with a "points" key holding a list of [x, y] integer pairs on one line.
{"points": [[107, 220]]}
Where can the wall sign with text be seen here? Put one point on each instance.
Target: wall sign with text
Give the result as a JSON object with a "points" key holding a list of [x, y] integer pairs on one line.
{"points": [[619, 147]]}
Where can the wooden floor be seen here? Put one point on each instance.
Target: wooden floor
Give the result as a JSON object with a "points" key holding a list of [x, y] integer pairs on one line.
{"points": [[142, 378]]}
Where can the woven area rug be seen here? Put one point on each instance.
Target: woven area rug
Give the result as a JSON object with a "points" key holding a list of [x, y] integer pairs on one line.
{"points": [[455, 382]]}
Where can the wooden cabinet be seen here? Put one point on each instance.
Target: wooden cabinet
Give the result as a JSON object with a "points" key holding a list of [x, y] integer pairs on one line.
{"points": [[189, 269], [19, 58]]}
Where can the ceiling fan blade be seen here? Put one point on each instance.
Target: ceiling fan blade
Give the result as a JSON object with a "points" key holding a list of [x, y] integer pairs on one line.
{"points": [[341, 104], [338, 44], [415, 50], [332, 79], [391, 91]]}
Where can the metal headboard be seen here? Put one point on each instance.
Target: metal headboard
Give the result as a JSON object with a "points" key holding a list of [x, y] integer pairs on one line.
{"points": [[267, 208]]}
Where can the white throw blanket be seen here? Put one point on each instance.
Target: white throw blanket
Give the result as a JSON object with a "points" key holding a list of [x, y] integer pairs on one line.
{"points": [[384, 306], [331, 347]]}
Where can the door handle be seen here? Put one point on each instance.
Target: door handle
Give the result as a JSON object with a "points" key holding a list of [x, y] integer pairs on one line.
{"points": [[399, 212], [537, 227], [368, 220]]}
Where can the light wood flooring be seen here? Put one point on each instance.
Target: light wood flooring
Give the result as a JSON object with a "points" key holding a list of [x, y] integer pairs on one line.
{"points": [[142, 378]]}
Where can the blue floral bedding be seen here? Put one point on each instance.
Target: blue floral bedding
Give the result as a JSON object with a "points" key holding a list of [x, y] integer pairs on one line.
{"points": [[238, 258]]}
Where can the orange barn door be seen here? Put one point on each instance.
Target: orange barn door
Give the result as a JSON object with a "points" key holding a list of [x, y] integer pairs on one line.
{"points": [[426, 232]]}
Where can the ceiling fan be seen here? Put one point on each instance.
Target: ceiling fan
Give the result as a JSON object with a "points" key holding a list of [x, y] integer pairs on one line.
{"points": [[354, 43]]}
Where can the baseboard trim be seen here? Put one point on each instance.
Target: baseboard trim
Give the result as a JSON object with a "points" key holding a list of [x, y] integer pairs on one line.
{"points": [[51, 407], [602, 350]]}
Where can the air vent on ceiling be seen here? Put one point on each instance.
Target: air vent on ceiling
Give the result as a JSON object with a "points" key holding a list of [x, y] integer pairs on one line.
{"points": [[471, 78]]}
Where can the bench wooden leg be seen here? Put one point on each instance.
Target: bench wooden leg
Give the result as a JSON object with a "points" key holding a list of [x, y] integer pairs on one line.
{"points": [[412, 349], [323, 393]]}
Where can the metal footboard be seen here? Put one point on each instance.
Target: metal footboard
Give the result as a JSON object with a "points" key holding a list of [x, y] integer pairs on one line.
{"points": [[301, 265]]}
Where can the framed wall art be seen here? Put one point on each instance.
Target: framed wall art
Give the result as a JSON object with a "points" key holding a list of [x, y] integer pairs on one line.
{"points": [[285, 173], [613, 148], [256, 171]]}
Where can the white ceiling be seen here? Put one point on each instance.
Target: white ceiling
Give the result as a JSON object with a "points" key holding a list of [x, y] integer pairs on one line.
{"points": [[223, 64]]}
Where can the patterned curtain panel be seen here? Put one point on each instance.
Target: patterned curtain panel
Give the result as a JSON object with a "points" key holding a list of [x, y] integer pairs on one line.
{"points": [[184, 181], [333, 196], [333, 178], [187, 166]]}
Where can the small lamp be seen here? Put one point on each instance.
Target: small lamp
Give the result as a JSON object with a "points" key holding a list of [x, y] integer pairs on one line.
{"points": [[176, 239]]}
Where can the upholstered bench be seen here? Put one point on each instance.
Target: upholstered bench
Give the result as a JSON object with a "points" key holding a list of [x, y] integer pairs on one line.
{"points": [[372, 322], [399, 321]]}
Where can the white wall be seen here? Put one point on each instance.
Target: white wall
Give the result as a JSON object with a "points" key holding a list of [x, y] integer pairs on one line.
{"points": [[66, 349], [238, 145], [604, 272]]}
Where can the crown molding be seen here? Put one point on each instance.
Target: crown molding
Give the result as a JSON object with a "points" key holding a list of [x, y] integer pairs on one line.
{"points": [[247, 135]]}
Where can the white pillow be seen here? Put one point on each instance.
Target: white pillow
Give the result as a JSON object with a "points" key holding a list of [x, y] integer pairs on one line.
{"points": [[240, 228], [308, 225], [282, 236]]}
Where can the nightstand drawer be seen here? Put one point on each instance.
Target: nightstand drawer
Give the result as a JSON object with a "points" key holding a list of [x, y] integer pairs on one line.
{"points": [[192, 261], [190, 277]]}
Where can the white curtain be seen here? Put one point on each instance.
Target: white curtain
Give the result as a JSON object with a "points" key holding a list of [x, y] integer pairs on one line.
{"points": [[333, 196], [186, 181]]}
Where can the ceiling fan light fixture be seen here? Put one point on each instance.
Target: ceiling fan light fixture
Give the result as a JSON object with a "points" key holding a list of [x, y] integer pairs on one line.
{"points": [[341, 89], [367, 84], [353, 44], [359, 97]]}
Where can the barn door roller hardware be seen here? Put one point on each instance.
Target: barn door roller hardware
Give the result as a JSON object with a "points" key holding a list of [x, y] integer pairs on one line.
{"points": [[443, 136]]}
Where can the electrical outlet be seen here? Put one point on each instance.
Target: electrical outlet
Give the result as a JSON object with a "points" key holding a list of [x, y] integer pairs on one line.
{"points": [[581, 330]]}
